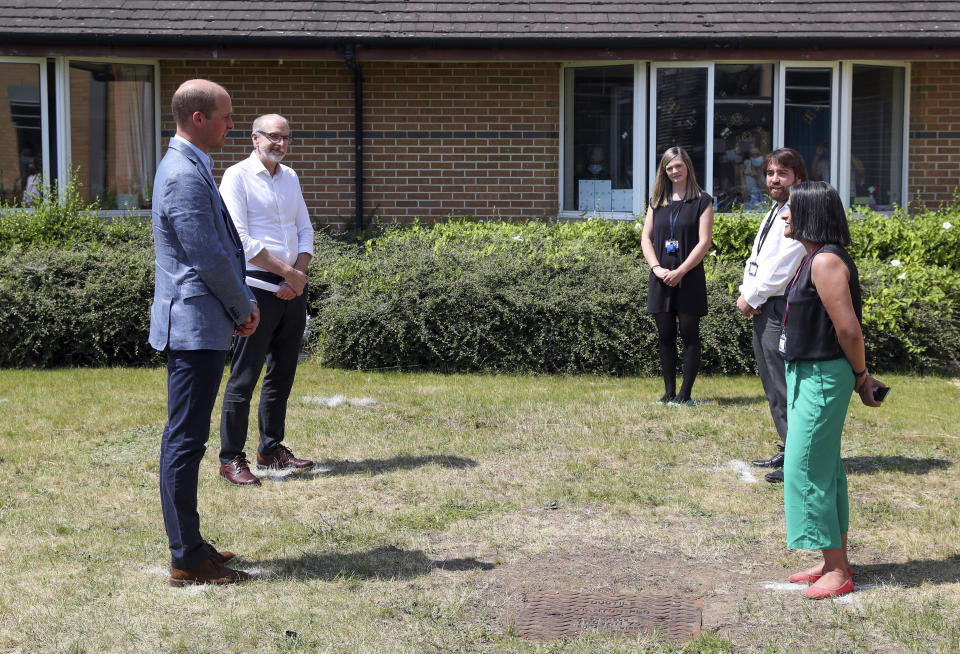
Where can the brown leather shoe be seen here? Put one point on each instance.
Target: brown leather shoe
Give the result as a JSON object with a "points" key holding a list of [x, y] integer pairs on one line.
{"points": [[280, 458], [206, 572], [219, 557], [238, 472]]}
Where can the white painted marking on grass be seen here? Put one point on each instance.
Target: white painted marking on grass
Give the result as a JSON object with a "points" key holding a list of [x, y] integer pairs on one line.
{"points": [[156, 570], [742, 468], [338, 400], [4, 399], [782, 587]]}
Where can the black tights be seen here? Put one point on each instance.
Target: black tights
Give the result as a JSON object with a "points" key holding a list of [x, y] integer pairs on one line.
{"points": [[667, 346]]}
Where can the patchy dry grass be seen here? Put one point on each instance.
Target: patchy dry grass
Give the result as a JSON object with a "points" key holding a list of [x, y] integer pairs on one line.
{"points": [[449, 497]]}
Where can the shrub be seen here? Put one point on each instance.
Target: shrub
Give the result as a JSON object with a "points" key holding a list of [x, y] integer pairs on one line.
{"points": [[66, 222], [86, 306], [418, 301]]}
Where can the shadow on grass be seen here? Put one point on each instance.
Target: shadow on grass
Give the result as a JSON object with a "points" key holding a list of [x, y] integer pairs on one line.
{"points": [[741, 400], [387, 562], [911, 573], [868, 465], [371, 466], [380, 466]]}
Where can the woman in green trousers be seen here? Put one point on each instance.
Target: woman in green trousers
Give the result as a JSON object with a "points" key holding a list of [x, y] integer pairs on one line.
{"points": [[822, 344]]}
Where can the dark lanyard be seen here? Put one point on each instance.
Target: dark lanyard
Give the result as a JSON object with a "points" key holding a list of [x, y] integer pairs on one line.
{"points": [[774, 212], [675, 216], [786, 309]]}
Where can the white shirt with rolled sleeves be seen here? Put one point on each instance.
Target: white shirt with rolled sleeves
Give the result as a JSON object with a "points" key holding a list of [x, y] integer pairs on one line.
{"points": [[777, 262], [269, 212]]}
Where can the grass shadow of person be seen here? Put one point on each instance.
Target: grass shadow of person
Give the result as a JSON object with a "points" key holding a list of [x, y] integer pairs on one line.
{"points": [[910, 574], [386, 562], [335, 468], [740, 400], [869, 465]]}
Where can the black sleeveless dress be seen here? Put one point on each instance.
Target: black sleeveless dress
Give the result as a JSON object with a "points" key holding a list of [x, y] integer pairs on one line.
{"points": [[690, 296]]}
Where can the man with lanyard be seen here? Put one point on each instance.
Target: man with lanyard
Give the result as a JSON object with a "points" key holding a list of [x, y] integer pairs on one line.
{"points": [[773, 261], [266, 203]]}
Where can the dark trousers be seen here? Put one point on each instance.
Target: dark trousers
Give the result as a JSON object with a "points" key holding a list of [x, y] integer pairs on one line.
{"points": [[276, 342], [193, 379], [766, 347]]}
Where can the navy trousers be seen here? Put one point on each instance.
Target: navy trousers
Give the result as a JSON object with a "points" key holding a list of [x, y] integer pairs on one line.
{"points": [[193, 380]]}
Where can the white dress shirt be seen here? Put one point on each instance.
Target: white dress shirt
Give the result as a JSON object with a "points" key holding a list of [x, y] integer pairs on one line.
{"points": [[774, 264], [268, 211]]}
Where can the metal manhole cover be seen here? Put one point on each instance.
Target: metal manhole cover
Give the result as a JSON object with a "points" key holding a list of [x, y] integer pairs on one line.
{"points": [[548, 616]]}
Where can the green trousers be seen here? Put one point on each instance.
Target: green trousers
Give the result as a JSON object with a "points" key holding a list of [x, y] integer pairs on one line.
{"points": [[814, 481]]}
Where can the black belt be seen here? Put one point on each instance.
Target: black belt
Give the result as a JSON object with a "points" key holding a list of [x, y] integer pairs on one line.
{"points": [[265, 276]]}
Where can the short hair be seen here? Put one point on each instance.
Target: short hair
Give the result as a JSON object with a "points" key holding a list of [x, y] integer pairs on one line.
{"points": [[259, 121], [817, 214], [788, 158], [190, 98], [660, 196]]}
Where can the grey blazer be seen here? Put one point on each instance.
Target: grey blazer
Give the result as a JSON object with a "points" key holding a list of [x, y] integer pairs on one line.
{"points": [[199, 294]]}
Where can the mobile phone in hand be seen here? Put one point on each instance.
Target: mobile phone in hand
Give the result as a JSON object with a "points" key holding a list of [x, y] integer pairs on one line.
{"points": [[880, 392]]}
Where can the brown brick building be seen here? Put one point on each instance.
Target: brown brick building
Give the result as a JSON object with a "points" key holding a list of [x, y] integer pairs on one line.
{"points": [[517, 109]]}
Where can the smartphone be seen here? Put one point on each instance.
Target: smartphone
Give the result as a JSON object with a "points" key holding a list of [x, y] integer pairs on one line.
{"points": [[880, 392]]}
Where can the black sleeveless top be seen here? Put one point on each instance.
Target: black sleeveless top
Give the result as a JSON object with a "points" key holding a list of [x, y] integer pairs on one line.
{"points": [[811, 335]]}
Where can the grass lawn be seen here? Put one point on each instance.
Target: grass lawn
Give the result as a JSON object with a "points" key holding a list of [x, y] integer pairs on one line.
{"points": [[448, 499]]}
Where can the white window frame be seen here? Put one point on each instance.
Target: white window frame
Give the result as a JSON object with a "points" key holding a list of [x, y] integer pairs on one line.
{"points": [[64, 151], [846, 126], [639, 139], [707, 182], [44, 113]]}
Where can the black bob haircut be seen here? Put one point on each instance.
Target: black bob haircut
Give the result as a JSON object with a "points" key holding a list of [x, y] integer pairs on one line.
{"points": [[817, 215]]}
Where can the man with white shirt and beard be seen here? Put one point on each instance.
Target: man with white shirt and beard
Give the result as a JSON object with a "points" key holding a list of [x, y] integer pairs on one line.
{"points": [[773, 261], [266, 203]]}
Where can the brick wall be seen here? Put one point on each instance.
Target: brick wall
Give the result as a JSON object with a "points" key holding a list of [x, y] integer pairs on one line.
{"points": [[934, 131], [440, 138]]}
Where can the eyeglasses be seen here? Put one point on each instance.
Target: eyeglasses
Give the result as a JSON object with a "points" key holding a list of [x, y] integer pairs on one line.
{"points": [[276, 138]]}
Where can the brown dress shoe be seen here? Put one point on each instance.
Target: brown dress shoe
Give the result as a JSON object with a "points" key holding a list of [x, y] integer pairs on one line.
{"points": [[280, 458], [238, 472], [219, 557], [206, 572]]}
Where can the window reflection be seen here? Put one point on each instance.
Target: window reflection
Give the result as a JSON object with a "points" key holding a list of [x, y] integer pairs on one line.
{"points": [[742, 133], [21, 140], [808, 117], [112, 132], [876, 148], [682, 115], [599, 141]]}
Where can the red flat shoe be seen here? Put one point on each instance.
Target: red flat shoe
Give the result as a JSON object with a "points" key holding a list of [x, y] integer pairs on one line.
{"points": [[805, 577], [814, 592]]}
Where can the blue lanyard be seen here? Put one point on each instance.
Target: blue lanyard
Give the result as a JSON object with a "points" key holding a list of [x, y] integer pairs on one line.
{"points": [[675, 216]]}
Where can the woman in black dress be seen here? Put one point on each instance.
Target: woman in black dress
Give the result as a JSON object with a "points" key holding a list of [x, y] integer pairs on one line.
{"points": [[677, 232]]}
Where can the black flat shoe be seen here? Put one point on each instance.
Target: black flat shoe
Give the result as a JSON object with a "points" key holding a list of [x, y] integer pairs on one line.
{"points": [[775, 461], [775, 477]]}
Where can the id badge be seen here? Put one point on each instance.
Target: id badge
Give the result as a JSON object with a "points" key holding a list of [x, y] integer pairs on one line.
{"points": [[752, 268], [672, 245], [783, 342]]}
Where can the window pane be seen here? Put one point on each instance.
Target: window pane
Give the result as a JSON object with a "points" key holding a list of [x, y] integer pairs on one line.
{"points": [[681, 115], [808, 117], [742, 132], [21, 141], [599, 139], [112, 132], [876, 148]]}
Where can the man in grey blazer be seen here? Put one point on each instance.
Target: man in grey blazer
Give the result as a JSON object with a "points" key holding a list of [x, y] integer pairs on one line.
{"points": [[200, 300]]}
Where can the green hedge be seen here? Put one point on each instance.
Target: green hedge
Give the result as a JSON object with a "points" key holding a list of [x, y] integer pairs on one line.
{"points": [[467, 295]]}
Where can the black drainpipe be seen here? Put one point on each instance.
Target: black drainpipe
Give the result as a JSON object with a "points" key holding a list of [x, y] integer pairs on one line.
{"points": [[349, 59]]}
